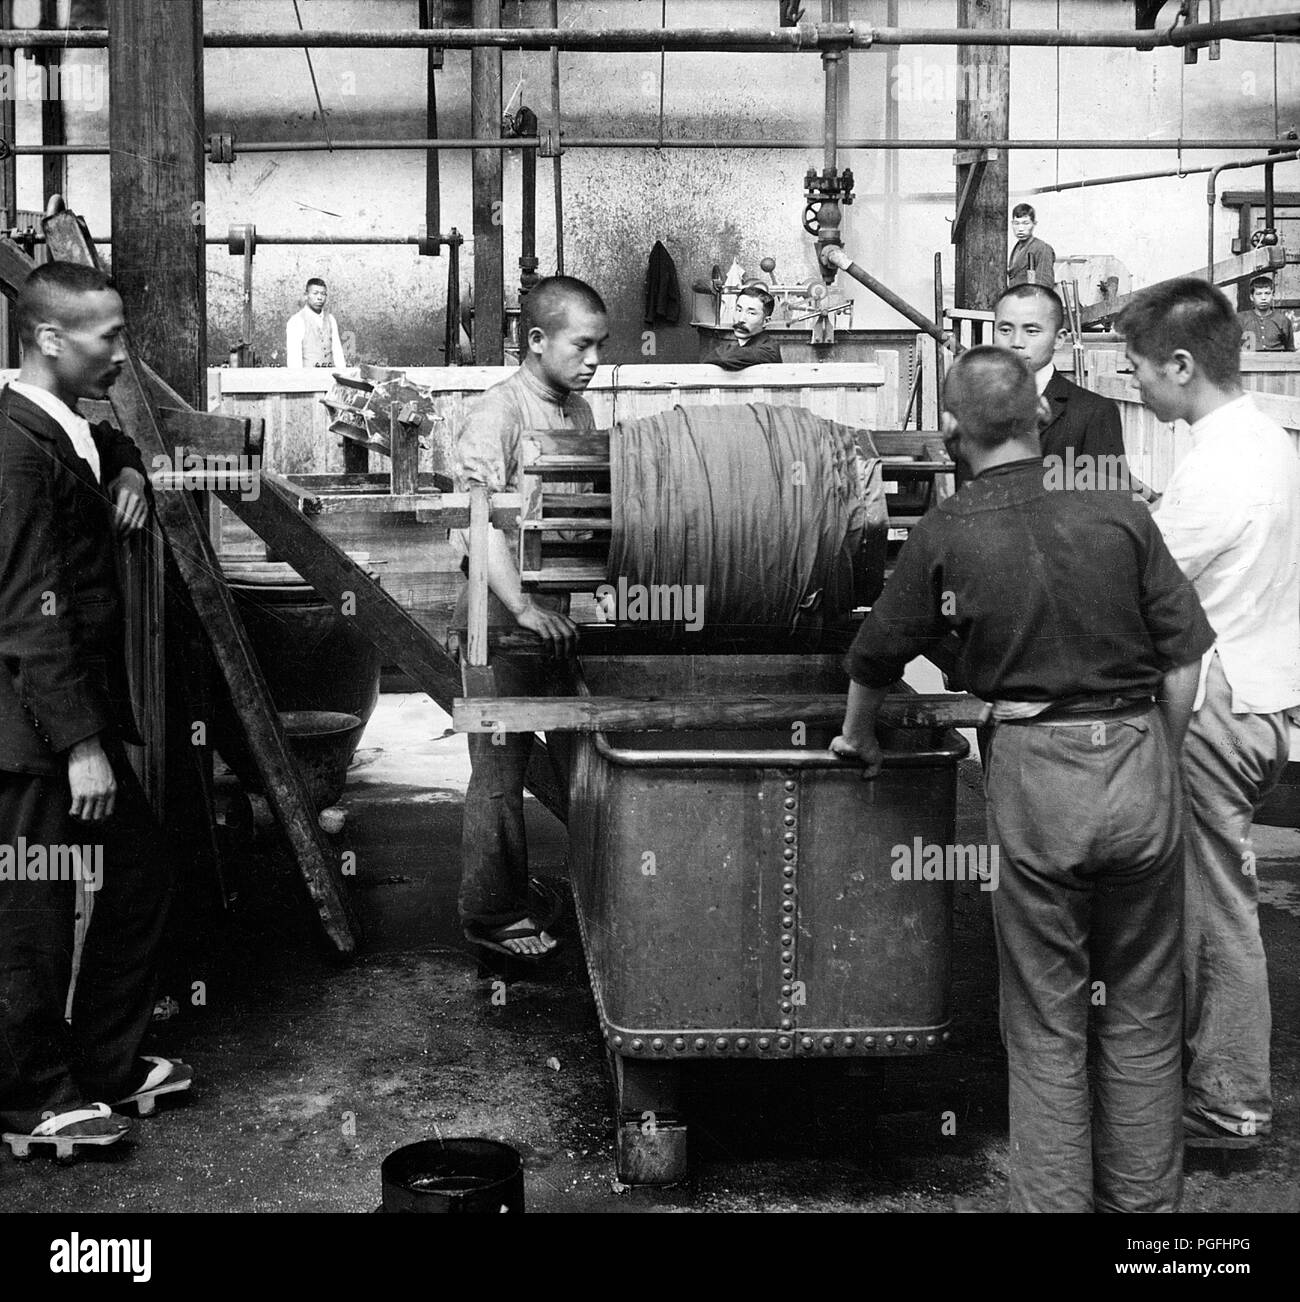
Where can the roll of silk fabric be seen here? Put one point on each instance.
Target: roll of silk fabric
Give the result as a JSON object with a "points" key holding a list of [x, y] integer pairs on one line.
{"points": [[763, 507]]}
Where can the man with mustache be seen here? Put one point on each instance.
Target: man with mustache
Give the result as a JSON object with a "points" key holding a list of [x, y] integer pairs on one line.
{"points": [[69, 492], [563, 327], [750, 344]]}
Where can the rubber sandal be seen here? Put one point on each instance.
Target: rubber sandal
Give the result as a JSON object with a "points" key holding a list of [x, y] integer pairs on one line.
{"points": [[166, 1076], [53, 1132], [1200, 1133]]}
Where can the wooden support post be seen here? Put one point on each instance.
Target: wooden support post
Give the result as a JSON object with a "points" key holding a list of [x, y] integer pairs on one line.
{"points": [[983, 113], [489, 233], [155, 60], [185, 527], [404, 451], [54, 167]]}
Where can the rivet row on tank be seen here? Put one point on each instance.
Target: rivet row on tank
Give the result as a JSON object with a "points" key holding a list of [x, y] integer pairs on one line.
{"points": [[849, 1042], [742, 1043], [806, 1043], [788, 888], [790, 786], [931, 1040], [910, 1041], [869, 1042], [787, 972], [828, 1041], [656, 1044], [787, 871], [788, 855], [785, 990], [787, 906], [787, 1006], [946, 1034], [789, 838], [786, 1025], [679, 1044], [783, 1042], [889, 1042], [618, 1042], [764, 1042], [720, 1044], [789, 802], [789, 820], [788, 957], [636, 1046], [701, 1044]]}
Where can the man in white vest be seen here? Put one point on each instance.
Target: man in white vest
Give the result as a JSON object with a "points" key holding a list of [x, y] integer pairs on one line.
{"points": [[312, 335]]}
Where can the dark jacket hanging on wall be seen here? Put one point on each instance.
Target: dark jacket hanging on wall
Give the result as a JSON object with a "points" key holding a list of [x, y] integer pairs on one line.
{"points": [[663, 299]]}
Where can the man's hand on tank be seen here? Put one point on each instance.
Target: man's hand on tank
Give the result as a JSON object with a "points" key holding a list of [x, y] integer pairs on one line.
{"points": [[130, 506], [866, 750], [90, 777], [560, 633]]}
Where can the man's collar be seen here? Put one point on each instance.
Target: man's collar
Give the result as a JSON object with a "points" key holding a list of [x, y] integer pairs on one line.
{"points": [[541, 388], [1043, 377], [48, 402]]}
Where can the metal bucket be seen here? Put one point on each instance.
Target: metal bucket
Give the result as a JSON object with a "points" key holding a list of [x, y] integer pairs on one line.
{"points": [[453, 1175]]}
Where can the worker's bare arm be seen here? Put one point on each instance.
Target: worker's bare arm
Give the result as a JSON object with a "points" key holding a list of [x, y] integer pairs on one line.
{"points": [[857, 739], [1177, 692]]}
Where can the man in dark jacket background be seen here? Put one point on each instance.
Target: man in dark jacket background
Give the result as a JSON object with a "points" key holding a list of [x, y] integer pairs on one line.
{"points": [[71, 807]]}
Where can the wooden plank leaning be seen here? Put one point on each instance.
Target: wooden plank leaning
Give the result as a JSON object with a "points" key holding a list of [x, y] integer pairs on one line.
{"points": [[185, 529]]}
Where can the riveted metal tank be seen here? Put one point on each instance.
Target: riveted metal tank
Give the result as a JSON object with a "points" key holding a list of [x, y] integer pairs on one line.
{"points": [[736, 891]]}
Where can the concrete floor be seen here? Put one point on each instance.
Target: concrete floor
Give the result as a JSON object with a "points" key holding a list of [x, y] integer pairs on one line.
{"points": [[310, 1072]]}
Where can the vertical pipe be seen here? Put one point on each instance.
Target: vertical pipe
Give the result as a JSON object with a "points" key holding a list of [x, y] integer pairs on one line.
{"points": [[431, 18], [451, 346], [557, 164], [891, 133], [489, 234]]}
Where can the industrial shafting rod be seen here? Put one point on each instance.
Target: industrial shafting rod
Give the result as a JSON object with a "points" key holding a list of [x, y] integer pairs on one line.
{"points": [[834, 256], [813, 37], [651, 142]]}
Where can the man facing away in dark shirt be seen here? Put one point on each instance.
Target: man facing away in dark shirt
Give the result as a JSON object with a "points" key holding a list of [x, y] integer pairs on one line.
{"points": [[1074, 621]]}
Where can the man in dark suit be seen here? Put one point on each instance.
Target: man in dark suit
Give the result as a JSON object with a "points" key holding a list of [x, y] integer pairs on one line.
{"points": [[1079, 431], [71, 809], [1031, 261]]}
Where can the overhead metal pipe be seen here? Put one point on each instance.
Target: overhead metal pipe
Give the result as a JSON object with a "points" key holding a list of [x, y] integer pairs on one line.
{"points": [[835, 256], [805, 37], [651, 142], [1117, 180], [557, 162], [1212, 184]]}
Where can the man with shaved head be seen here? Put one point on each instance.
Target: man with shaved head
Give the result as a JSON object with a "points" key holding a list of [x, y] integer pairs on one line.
{"points": [[562, 328], [69, 492], [1079, 629]]}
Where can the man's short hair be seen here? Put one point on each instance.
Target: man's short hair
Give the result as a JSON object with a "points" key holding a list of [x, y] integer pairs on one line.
{"points": [[1036, 291], [759, 292], [316, 280], [1186, 314], [991, 395], [1261, 282], [1025, 210], [50, 294], [546, 306]]}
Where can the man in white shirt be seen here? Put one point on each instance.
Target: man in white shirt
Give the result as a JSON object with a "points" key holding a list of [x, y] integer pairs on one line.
{"points": [[1231, 517], [312, 336]]}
